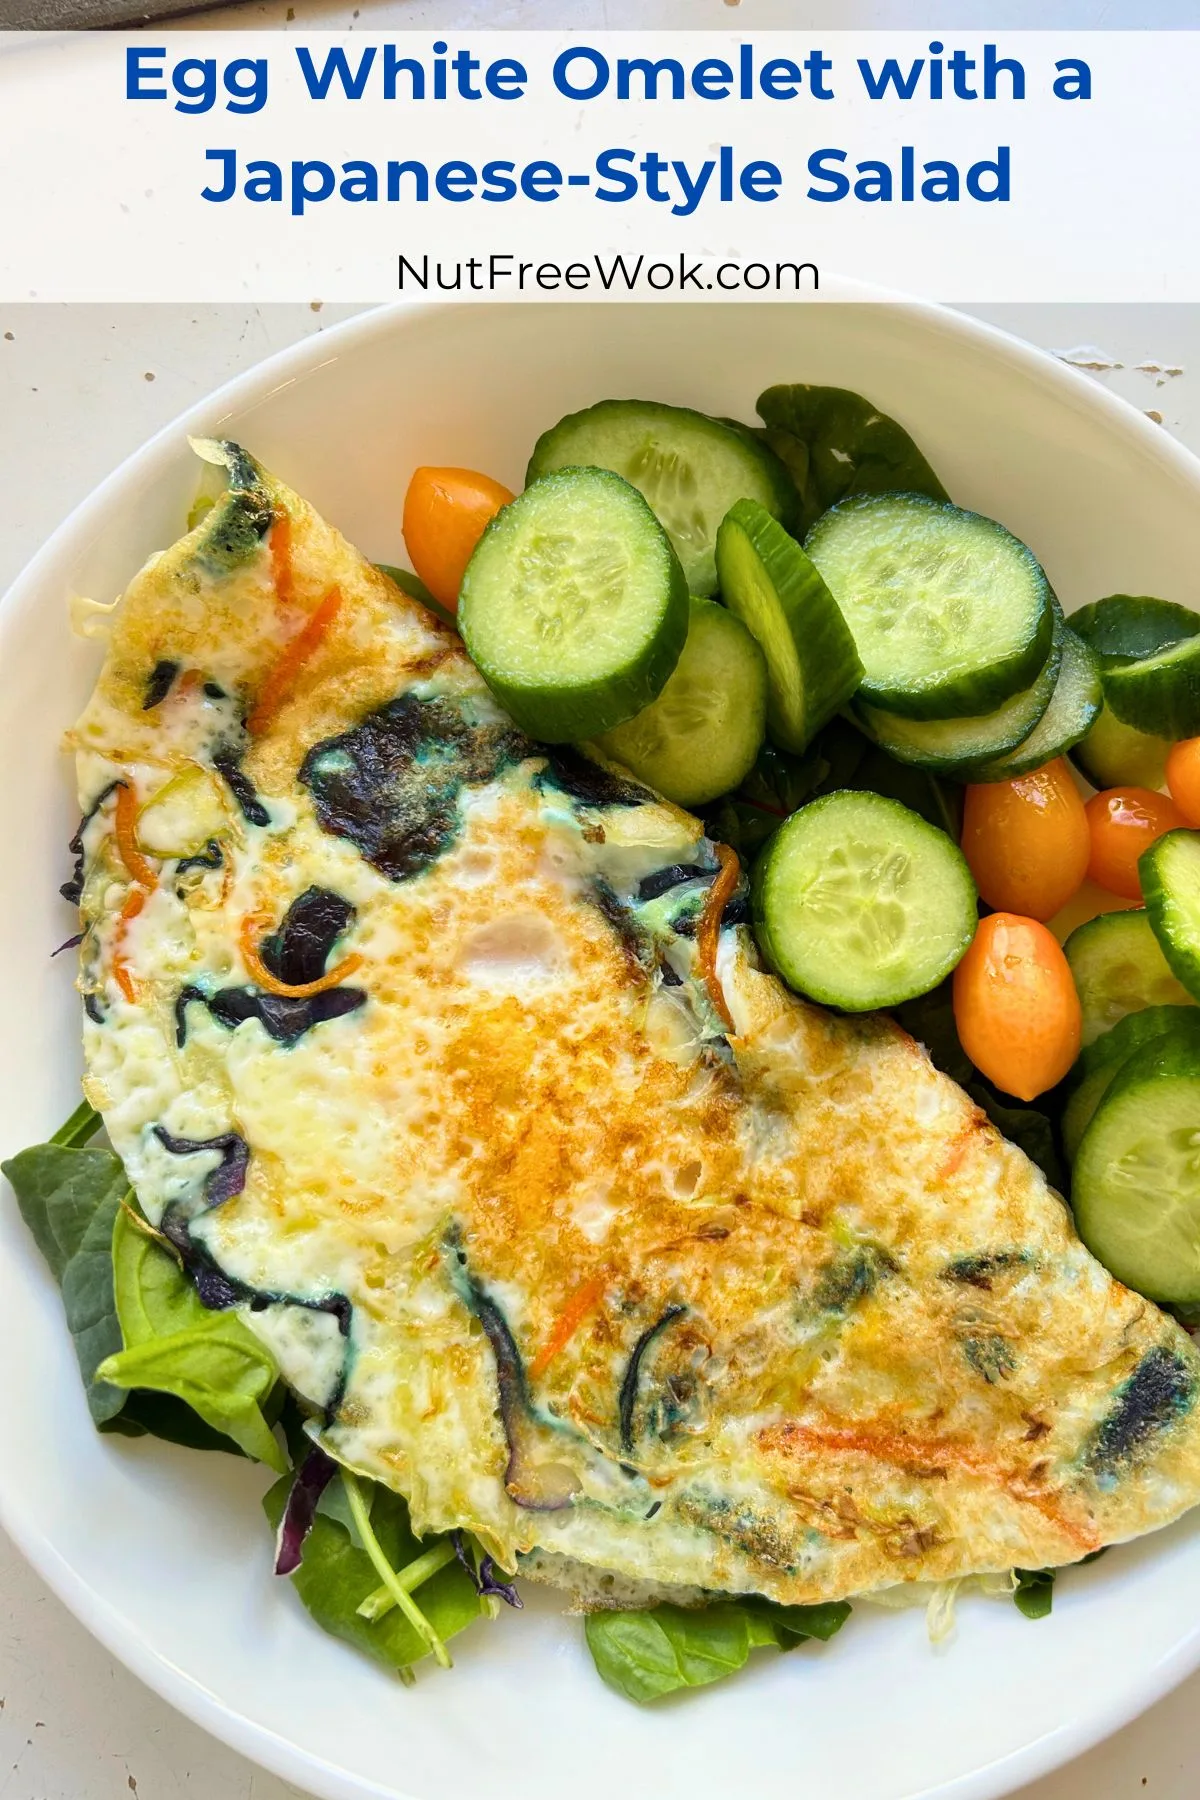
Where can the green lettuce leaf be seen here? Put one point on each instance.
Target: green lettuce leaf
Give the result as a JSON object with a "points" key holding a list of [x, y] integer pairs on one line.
{"points": [[645, 1655], [335, 1577], [834, 444]]}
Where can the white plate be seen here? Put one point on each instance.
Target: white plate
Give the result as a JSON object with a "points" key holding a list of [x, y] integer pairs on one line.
{"points": [[164, 1554]]}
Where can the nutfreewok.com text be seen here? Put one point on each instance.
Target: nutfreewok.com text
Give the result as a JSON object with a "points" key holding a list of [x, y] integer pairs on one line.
{"points": [[502, 273]]}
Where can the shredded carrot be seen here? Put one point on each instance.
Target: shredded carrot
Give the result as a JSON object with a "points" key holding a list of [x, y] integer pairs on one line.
{"points": [[708, 931], [281, 557], [581, 1303], [140, 868], [280, 678], [135, 899], [252, 927], [188, 682]]}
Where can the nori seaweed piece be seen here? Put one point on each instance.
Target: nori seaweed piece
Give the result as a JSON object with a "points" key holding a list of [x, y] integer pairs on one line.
{"points": [[627, 1399], [1159, 1391], [391, 784], [158, 686], [226, 764]]}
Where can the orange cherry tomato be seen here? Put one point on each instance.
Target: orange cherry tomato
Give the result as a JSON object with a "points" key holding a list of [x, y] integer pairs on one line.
{"points": [[1015, 1005], [1027, 840], [1123, 822], [445, 512], [1183, 778]]}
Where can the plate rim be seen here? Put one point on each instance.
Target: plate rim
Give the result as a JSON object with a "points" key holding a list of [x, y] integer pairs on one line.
{"points": [[101, 1617]]}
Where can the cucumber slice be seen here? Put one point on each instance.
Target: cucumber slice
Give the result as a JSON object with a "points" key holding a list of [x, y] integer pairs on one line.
{"points": [[1119, 969], [951, 614], [1136, 1184], [1126, 627], [574, 607], [1101, 1060], [960, 746], [1113, 754], [1074, 705], [768, 581], [860, 903], [702, 735], [1161, 693], [690, 468], [1170, 876]]}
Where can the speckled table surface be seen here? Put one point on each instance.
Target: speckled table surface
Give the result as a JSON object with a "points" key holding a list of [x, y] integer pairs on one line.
{"points": [[80, 388]]}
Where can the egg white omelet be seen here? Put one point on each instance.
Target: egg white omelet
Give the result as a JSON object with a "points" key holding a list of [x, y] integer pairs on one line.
{"points": [[448, 1062]]}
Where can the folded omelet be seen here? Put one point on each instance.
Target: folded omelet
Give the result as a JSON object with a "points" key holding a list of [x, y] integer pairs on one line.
{"points": [[447, 1060]]}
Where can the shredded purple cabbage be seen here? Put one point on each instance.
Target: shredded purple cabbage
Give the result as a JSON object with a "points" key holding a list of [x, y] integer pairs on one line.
{"points": [[312, 1478], [72, 943], [483, 1578]]}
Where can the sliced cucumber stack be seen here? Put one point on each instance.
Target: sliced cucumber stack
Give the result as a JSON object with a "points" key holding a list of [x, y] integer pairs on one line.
{"points": [[860, 903], [574, 607], [1107, 1055], [1074, 706], [701, 736], [952, 614], [1119, 968], [768, 581], [1170, 875], [1136, 1183], [958, 746], [690, 469]]}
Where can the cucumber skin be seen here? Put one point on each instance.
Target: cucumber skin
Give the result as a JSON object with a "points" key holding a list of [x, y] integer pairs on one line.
{"points": [[1129, 627], [1102, 1059], [1152, 698], [591, 708], [784, 501], [1024, 759], [947, 763], [827, 639], [967, 696], [777, 958], [1154, 875], [1167, 1058]]}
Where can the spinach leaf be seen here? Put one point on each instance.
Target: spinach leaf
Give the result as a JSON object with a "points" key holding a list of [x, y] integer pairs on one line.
{"points": [[83, 1124], [1028, 1127], [1034, 1595], [835, 444], [334, 1578], [793, 1624], [175, 1346], [69, 1198], [839, 757], [645, 1655], [776, 785], [165, 1416]]}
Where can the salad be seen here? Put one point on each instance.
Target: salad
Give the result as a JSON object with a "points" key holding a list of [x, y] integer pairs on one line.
{"points": [[951, 798]]}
